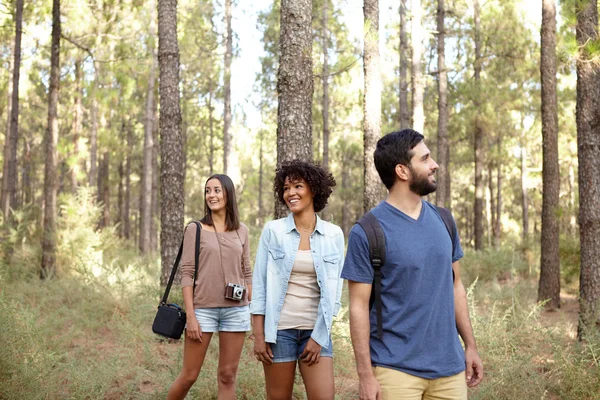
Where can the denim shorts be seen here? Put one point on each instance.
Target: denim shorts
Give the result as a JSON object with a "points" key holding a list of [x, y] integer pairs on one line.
{"points": [[291, 343], [224, 319]]}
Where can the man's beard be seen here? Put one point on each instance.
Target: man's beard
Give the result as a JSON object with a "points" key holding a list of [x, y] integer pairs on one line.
{"points": [[421, 185]]}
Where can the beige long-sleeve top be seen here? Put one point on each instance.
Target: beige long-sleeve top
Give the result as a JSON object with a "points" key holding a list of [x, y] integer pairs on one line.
{"points": [[224, 258]]}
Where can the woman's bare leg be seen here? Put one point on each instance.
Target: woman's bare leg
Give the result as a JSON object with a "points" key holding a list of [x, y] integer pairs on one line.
{"points": [[279, 378], [194, 352], [230, 349], [318, 379]]}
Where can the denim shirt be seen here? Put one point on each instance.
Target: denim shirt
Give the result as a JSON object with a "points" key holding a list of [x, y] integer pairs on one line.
{"points": [[275, 258]]}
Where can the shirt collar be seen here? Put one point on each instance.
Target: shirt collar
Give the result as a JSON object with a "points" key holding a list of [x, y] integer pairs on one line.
{"points": [[290, 225]]}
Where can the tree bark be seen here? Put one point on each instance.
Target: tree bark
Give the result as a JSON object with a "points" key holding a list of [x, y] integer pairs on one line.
{"points": [[155, 186], [48, 266], [147, 171], [295, 86], [27, 191], [77, 122], [211, 131], [492, 207], [171, 141], [549, 285], [478, 138], [227, 90], [372, 104], [325, 80], [4, 199], [418, 83], [127, 201], [404, 112], [588, 146], [443, 176], [120, 198], [10, 172], [524, 197], [498, 221], [104, 190]]}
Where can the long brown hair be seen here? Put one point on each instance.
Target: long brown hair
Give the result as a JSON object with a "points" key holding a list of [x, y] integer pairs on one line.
{"points": [[232, 217]]}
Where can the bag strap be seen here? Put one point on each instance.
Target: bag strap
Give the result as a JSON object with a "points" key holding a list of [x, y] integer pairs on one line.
{"points": [[450, 224], [377, 250], [178, 259]]}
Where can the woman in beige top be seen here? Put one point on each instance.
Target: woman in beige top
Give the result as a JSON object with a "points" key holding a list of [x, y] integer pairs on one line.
{"points": [[217, 300]]}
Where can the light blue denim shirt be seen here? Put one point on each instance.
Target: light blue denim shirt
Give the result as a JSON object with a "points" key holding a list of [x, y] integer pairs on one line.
{"points": [[275, 258]]}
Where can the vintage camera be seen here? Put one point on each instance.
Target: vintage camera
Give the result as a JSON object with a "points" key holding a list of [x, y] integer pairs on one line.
{"points": [[234, 291]]}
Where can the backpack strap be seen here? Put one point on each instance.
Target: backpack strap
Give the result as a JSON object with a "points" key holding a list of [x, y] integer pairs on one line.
{"points": [[450, 227], [376, 238]]}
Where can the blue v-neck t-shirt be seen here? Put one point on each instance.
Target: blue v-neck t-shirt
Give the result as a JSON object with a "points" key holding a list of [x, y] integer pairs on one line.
{"points": [[417, 292]]}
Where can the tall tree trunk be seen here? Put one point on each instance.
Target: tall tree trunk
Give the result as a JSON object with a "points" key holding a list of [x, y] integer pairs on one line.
{"points": [[10, 172], [48, 266], [492, 203], [478, 139], [171, 141], [127, 206], [372, 104], [325, 80], [120, 198], [147, 172], [104, 190], [261, 207], [549, 285], [227, 90], [295, 85], [498, 221], [155, 186], [4, 198], [27, 191], [418, 82], [345, 189], [443, 151], [524, 197], [77, 122], [403, 110], [211, 132], [588, 143], [93, 176]]}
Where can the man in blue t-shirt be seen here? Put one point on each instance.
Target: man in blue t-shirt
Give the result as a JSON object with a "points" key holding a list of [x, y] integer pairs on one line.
{"points": [[424, 303]]}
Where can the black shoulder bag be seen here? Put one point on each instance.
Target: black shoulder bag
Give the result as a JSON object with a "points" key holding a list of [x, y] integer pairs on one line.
{"points": [[170, 318]]}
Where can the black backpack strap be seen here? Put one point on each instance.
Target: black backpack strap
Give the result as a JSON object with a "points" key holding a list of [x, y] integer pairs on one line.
{"points": [[450, 227], [178, 259], [376, 238], [196, 252]]}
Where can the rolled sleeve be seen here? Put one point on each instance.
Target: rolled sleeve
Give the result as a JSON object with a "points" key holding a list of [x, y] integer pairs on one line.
{"points": [[259, 277], [187, 257], [247, 269]]}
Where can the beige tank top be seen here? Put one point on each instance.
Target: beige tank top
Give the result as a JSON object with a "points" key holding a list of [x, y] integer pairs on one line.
{"points": [[302, 298]]}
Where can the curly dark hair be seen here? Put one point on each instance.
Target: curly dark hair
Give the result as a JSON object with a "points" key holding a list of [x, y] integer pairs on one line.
{"points": [[318, 179]]}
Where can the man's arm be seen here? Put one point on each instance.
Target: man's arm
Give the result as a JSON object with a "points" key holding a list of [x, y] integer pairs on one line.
{"points": [[360, 332], [474, 371]]}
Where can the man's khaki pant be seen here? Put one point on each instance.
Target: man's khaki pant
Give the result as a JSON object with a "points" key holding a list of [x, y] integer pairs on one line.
{"points": [[396, 385]]}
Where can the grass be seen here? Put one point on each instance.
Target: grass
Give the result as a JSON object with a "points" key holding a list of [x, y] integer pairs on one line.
{"points": [[87, 336]]}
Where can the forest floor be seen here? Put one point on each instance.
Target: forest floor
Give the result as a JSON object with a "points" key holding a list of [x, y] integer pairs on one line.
{"points": [[76, 338]]}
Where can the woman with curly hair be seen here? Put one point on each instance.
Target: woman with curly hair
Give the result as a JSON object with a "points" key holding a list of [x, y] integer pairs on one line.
{"points": [[297, 285]]}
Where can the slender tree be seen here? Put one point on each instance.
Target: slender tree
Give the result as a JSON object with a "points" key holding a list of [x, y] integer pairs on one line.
{"points": [[443, 176], [524, 196], [10, 173], [171, 141], [417, 79], [147, 171], [404, 112], [295, 85], [227, 89], [77, 123], [325, 80], [372, 103], [588, 142], [549, 285], [478, 137], [127, 199], [50, 174]]}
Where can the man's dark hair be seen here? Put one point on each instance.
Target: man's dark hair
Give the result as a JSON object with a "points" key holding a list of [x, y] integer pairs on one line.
{"points": [[232, 217], [393, 149], [319, 180]]}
